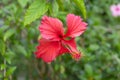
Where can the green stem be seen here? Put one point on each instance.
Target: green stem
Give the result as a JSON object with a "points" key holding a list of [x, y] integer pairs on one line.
{"points": [[5, 68]]}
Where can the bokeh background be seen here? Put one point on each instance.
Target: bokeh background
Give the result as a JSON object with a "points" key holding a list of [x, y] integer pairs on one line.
{"points": [[100, 43]]}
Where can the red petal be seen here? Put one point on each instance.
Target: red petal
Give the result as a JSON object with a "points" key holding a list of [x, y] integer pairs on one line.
{"points": [[69, 43], [71, 47], [75, 26], [63, 50], [51, 28], [47, 50]]}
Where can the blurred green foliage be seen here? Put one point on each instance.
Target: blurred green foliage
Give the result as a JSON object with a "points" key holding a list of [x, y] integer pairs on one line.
{"points": [[18, 38]]}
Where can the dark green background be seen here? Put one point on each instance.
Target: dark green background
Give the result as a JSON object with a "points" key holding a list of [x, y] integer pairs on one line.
{"points": [[100, 43]]}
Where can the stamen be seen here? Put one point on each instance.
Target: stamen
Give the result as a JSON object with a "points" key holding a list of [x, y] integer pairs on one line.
{"points": [[76, 56], [73, 52]]}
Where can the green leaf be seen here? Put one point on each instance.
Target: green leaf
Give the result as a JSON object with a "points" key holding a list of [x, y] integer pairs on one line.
{"points": [[3, 66], [3, 28], [23, 3], [88, 70], [54, 8], [94, 47], [81, 5], [35, 11], [2, 47], [9, 55], [60, 3], [21, 50], [5, 78], [62, 69], [1, 75], [10, 71], [8, 34]]}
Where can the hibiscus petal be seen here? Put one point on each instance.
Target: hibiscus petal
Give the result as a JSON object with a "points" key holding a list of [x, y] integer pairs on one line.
{"points": [[71, 46], [75, 26], [51, 28], [112, 8], [63, 50], [47, 50], [69, 43], [115, 10]]}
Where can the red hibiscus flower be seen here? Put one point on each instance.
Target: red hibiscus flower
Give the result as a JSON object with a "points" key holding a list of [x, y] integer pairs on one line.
{"points": [[55, 41]]}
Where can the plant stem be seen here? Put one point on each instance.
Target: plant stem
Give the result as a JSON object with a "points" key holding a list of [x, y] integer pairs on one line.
{"points": [[5, 68]]}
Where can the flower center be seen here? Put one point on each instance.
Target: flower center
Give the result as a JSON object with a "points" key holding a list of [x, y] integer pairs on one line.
{"points": [[60, 36]]}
